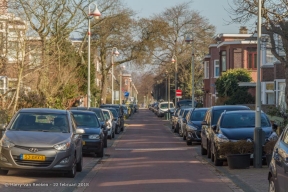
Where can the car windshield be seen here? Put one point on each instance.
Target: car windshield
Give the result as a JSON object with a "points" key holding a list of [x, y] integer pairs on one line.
{"points": [[46, 122], [242, 120], [86, 120], [198, 115], [114, 112], [217, 113], [99, 114], [165, 105]]}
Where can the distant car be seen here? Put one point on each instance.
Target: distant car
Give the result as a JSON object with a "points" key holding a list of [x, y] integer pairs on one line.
{"points": [[179, 119], [93, 138], [120, 111], [116, 119], [182, 121], [211, 118], [109, 123], [234, 126], [125, 111], [278, 168], [174, 118], [41, 139], [192, 131], [185, 102], [163, 108]]}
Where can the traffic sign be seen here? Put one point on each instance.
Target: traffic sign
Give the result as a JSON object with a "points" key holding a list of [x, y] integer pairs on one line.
{"points": [[178, 93]]}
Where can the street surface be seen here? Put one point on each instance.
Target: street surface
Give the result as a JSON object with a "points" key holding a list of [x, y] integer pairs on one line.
{"points": [[146, 157]]}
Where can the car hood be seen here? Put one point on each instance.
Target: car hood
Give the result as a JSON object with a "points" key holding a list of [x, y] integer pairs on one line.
{"points": [[90, 130], [39, 139], [243, 133]]}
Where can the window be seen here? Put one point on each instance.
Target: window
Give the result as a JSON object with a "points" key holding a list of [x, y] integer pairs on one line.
{"points": [[223, 60], [281, 95], [216, 68], [252, 60], [206, 69], [268, 95]]}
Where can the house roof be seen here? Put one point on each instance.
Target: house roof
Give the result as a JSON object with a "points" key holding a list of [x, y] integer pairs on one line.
{"points": [[235, 43]]}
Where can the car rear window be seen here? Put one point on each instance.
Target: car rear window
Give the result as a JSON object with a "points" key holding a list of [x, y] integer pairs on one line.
{"points": [[217, 113], [198, 115], [86, 120], [242, 120]]}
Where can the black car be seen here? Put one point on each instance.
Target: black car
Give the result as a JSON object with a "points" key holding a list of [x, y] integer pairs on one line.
{"points": [[192, 131], [278, 168], [211, 118], [101, 119], [93, 138], [234, 126], [120, 111]]}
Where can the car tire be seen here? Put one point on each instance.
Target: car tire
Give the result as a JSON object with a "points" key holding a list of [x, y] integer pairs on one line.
{"points": [[79, 165], [271, 185], [3, 172], [184, 136], [208, 150], [113, 136], [72, 172], [217, 162], [189, 142], [101, 153], [175, 130], [117, 131], [122, 128], [203, 151]]}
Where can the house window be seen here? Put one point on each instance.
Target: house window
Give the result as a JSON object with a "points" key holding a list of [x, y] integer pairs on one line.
{"points": [[252, 60], [216, 68], [206, 69], [223, 60], [268, 93], [281, 95]]}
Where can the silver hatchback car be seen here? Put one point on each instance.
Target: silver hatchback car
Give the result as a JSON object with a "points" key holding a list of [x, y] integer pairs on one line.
{"points": [[39, 139]]}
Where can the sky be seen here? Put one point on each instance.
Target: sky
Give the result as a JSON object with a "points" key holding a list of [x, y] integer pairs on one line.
{"points": [[213, 10]]}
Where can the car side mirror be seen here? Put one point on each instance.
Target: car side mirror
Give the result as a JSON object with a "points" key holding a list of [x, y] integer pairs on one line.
{"points": [[214, 127], [80, 131], [204, 123]]}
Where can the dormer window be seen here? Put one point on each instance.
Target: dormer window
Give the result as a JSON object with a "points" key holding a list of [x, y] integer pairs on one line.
{"points": [[223, 61]]}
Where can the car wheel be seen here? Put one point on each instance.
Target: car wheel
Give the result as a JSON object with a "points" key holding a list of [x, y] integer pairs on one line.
{"points": [[105, 142], [189, 142], [79, 165], [122, 128], [180, 132], [208, 150], [217, 162], [184, 136], [101, 153], [113, 136], [117, 131], [203, 151], [72, 172], [176, 127], [3, 172], [109, 136], [271, 185]]}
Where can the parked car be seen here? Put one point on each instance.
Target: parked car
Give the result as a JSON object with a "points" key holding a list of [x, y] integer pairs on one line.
{"points": [[163, 108], [125, 111], [192, 131], [116, 120], [234, 126], [182, 121], [120, 111], [278, 168], [41, 139], [174, 118], [93, 138], [110, 123], [185, 102], [211, 118], [100, 115], [179, 119]]}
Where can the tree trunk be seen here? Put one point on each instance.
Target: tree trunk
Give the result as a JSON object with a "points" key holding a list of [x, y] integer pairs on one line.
{"points": [[104, 86]]}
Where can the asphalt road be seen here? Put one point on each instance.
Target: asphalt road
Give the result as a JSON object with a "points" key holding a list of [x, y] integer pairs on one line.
{"points": [[148, 156]]}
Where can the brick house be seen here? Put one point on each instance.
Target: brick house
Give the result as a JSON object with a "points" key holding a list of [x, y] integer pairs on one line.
{"points": [[229, 51]]}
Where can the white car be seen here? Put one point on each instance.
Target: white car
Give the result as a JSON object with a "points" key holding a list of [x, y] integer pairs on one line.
{"points": [[163, 108], [110, 123]]}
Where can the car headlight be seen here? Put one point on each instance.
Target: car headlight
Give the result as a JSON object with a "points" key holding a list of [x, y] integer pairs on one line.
{"points": [[221, 138], [6, 143], [193, 128], [62, 146], [94, 137]]}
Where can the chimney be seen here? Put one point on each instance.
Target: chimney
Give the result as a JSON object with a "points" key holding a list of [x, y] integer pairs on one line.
{"points": [[3, 7], [243, 30]]}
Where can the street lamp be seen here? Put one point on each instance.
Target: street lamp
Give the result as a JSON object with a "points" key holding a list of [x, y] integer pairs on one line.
{"points": [[120, 91], [130, 79], [188, 40], [116, 53], [96, 14], [258, 129], [175, 60]]}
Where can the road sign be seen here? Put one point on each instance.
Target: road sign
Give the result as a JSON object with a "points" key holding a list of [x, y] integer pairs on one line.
{"points": [[178, 93]]}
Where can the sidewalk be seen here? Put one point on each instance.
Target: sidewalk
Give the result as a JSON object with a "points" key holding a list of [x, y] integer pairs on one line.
{"points": [[250, 180]]}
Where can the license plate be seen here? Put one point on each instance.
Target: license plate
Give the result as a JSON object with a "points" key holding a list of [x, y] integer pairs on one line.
{"points": [[83, 142], [32, 157]]}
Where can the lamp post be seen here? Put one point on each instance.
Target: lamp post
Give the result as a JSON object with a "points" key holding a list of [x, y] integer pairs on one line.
{"points": [[175, 60], [188, 40], [96, 14], [258, 129], [120, 91], [130, 79], [116, 53], [166, 90]]}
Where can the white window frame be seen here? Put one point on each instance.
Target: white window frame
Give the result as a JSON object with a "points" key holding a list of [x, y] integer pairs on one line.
{"points": [[206, 69], [264, 91], [215, 66], [277, 81]]}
